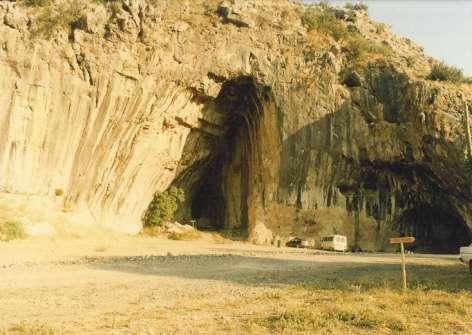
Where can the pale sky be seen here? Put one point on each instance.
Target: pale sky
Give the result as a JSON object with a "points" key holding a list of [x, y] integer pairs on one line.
{"points": [[442, 27]]}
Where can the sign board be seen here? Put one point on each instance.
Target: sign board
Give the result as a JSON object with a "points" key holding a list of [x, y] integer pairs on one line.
{"points": [[398, 240], [401, 240]]}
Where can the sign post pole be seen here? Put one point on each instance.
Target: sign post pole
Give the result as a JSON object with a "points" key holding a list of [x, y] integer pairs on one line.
{"points": [[403, 266], [402, 241]]}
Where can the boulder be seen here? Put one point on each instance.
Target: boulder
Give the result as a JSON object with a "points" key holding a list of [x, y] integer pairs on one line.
{"points": [[15, 19], [261, 234], [236, 13]]}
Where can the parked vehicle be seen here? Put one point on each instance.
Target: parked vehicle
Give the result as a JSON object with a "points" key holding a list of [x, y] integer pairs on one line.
{"points": [[466, 256], [299, 243], [334, 242]]}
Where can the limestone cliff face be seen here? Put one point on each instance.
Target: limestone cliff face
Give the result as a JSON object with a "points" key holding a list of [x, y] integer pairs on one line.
{"points": [[265, 125]]}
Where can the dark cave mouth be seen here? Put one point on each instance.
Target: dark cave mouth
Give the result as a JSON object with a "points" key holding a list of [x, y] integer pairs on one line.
{"points": [[437, 227], [207, 201], [413, 202], [218, 200]]}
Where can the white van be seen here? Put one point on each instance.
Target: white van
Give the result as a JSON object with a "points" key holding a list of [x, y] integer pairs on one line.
{"points": [[334, 242], [466, 256]]}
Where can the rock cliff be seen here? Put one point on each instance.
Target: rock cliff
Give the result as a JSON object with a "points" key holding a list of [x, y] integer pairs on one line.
{"points": [[267, 125]]}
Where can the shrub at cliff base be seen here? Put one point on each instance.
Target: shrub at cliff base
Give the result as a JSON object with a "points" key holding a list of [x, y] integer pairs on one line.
{"points": [[163, 207]]}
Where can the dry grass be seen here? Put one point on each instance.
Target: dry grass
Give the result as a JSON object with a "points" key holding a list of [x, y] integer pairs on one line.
{"points": [[187, 235], [369, 301], [344, 299], [152, 231], [11, 230], [24, 328], [377, 311], [34, 209]]}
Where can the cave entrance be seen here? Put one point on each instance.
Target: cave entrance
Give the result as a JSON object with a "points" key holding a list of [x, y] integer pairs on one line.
{"points": [[224, 185], [438, 227], [207, 201], [407, 199]]}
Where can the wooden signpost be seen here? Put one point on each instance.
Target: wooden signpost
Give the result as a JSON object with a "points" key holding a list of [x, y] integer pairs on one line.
{"points": [[401, 241]]}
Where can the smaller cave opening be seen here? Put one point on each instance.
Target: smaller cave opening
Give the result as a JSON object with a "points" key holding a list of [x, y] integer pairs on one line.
{"points": [[412, 202], [437, 227]]}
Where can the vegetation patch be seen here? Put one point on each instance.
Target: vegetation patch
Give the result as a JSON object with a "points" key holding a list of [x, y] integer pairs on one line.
{"points": [[36, 3], [359, 299], [358, 6], [358, 47], [187, 235], [441, 71], [354, 318], [163, 207], [380, 28], [27, 328], [11, 230], [69, 15], [324, 21]]}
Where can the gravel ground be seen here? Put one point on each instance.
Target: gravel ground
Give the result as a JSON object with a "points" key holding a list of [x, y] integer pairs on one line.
{"points": [[138, 285]]}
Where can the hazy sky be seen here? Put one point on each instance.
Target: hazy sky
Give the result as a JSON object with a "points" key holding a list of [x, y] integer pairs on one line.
{"points": [[442, 27]]}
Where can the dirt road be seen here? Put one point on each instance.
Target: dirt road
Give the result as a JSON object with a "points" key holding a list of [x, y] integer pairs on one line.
{"points": [[137, 285]]}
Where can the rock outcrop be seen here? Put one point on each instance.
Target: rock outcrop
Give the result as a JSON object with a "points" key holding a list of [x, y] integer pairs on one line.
{"points": [[262, 122]]}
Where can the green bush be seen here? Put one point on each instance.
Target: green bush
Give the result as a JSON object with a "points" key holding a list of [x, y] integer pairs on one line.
{"points": [[324, 21], [379, 28], [36, 3], [361, 6], [53, 18], [443, 72], [358, 6], [80, 22], [11, 230], [357, 46], [175, 236], [163, 207]]}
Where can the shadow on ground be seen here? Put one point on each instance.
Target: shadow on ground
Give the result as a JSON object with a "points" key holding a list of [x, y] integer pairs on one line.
{"points": [[259, 271]]}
